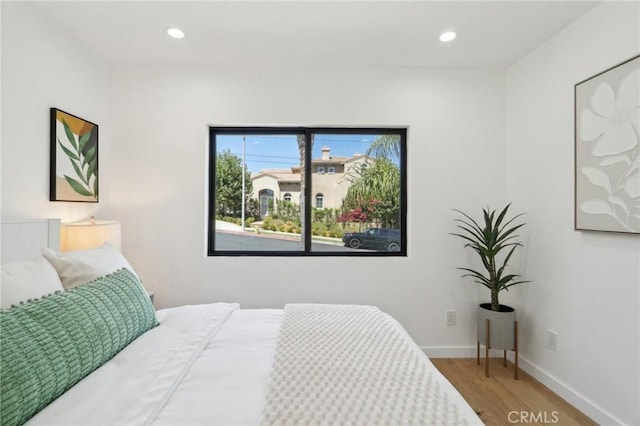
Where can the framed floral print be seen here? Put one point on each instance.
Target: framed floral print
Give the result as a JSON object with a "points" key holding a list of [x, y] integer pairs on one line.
{"points": [[607, 150], [73, 158]]}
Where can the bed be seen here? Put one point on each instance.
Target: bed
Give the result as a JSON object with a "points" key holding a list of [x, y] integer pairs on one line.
{"points": [[117, 361]]}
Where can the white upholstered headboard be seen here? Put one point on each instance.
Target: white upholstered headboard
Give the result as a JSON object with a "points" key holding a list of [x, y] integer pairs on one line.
{"points": [[24, 239]]}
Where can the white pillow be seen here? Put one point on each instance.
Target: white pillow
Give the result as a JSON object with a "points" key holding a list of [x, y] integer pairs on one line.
{"points": [[80, 267], [28, 279]]}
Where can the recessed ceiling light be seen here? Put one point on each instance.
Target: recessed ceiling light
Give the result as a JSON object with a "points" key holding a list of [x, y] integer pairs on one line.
{"points": [[175, 33], [447, 36]]}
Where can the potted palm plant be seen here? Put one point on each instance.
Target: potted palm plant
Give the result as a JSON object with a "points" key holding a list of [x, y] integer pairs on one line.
{"points": [[494, 239]]}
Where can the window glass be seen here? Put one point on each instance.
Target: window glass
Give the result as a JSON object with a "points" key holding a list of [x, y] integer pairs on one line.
{"points": [[362, 198], [266, 168]]}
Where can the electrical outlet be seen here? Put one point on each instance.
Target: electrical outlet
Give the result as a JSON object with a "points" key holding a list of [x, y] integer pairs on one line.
{"points": [[451, 317], [552, 340]]}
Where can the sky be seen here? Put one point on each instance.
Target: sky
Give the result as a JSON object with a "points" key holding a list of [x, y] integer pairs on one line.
{"points": [[281, 151]]}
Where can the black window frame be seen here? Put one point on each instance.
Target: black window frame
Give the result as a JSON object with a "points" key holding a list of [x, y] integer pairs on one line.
{"points": [[308, 196]]}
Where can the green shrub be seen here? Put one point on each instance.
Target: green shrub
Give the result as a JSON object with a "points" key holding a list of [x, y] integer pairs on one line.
{"points": [[318, 228], [267, 224], [335, 231]]}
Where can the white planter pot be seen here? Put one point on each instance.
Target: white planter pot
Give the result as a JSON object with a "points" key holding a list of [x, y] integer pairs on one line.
{"points": [[501, 326]]}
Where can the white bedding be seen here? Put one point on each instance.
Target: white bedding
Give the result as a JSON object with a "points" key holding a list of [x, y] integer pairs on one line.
{"points": [[336, 363], [204, 365]]}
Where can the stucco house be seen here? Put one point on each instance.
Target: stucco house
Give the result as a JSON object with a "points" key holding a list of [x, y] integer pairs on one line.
{"points": [[330, 180]]}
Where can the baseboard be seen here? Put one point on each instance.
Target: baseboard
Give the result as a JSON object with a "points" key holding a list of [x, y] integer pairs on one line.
{"points": [[569, 394], [561, 389], [449, 351]]}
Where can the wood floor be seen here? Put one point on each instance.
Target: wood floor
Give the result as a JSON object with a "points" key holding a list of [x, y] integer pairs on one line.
{"points": [[501, 400]]}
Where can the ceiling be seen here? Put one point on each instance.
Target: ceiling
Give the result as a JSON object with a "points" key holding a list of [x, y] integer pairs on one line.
{"points": [[313, 33]]}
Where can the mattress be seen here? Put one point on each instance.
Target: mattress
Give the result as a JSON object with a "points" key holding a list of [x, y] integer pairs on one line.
{"points": [[204, 365]]}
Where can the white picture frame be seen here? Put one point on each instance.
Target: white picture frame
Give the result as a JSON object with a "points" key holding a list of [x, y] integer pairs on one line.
{"points": [[607, 150]]}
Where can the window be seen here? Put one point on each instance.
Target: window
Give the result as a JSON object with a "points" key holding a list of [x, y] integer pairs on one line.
{"points": [[263, 203]]}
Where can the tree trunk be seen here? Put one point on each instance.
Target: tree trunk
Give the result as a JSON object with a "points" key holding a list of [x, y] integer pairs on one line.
{"points": [[302, 149]]}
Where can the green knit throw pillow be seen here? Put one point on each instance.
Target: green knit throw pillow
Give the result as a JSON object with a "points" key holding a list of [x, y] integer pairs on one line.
{"points": [[50, 344]]}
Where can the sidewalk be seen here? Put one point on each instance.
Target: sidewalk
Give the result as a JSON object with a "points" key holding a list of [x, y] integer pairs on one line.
{"points": [[228, 226], [232, 227]]}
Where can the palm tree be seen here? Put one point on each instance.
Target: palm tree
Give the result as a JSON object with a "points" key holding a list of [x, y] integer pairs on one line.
{"points": [[376, 191], [385, 146]]}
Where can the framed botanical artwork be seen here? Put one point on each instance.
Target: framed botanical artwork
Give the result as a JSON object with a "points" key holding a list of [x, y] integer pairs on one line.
{"points": [[74, 158], [607, 149]]}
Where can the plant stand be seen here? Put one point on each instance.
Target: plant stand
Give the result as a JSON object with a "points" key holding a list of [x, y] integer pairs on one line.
{"points": [[487, 345]]}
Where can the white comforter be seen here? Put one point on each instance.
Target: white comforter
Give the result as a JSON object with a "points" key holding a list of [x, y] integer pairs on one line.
{"points": [[204, 365]]}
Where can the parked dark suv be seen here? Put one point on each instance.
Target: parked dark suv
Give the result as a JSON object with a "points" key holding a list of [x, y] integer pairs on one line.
{"points": [[374, 239]]}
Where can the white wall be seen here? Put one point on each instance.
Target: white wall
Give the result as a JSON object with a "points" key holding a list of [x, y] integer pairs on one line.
{"points": [[586, 284], [43, 68], [456, 159]]}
